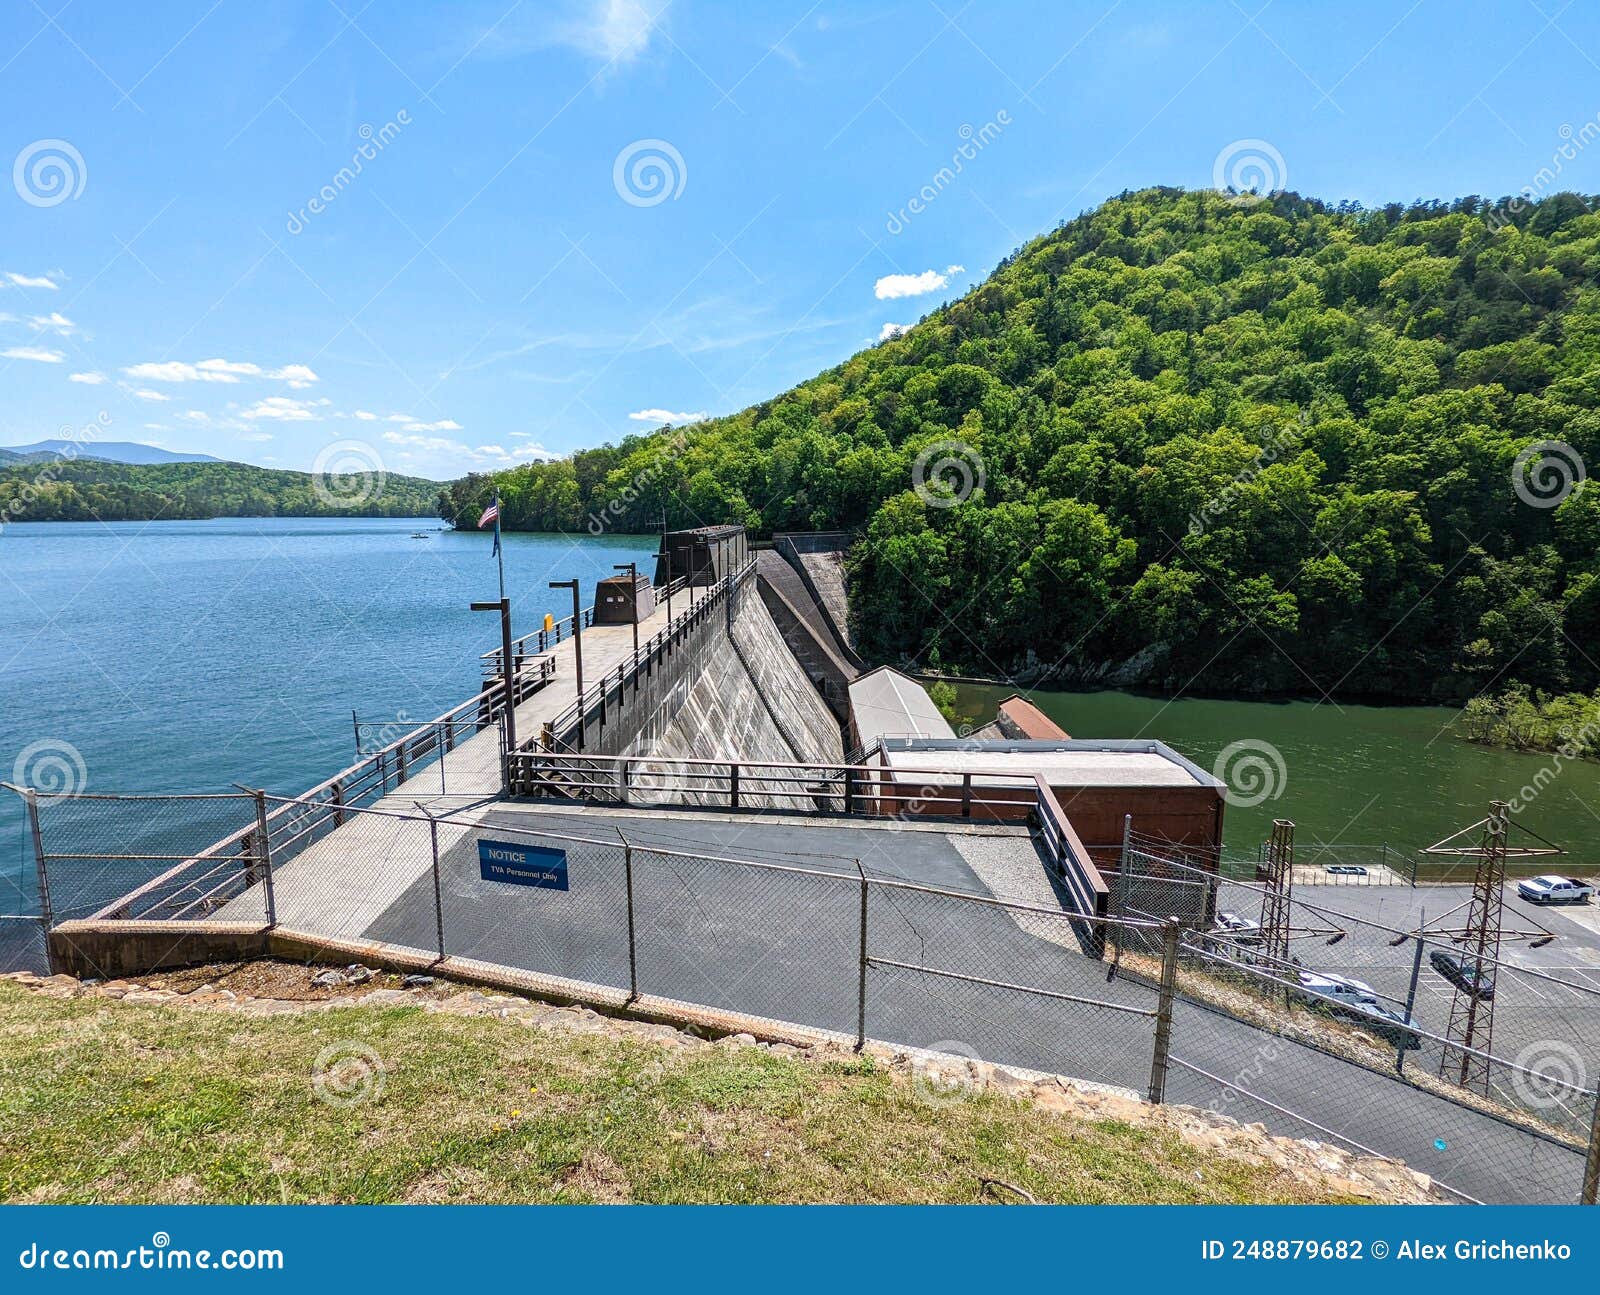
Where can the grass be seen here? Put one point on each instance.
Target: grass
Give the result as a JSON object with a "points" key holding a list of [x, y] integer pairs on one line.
{"points": [[107, 1101]]}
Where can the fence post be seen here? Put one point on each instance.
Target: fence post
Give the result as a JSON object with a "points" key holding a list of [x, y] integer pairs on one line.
{"points": [[47, 917], [1591, 1164], [733, 784], [265, 863], [861, 983], [633, 955], [1411, 994], [438, 890], [1169, 982]]}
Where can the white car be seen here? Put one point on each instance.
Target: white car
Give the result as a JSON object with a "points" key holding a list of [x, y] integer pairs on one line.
{"points": [[1355, 993], [1243, 929], [1551, 889]]}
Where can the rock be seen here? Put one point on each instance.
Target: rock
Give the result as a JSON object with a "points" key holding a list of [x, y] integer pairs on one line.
{"points": [[415, 981], [356, 974], [328, 979]]}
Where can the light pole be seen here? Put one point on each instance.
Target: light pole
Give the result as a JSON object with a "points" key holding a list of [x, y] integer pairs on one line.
{"points": [[507, 670], [577, 646]]}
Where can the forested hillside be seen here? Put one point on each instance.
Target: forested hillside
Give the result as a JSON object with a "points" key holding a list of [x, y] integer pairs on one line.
{"points": [[1245, 445], [88, 490]]}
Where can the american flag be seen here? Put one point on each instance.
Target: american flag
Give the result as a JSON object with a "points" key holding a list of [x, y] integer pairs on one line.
{"points": [[490, 514]]}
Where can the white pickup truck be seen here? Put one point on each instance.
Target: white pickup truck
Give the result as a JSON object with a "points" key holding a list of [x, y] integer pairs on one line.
{"points": [[1551, 889]]}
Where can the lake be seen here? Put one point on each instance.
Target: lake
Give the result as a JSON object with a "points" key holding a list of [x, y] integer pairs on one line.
{"points": [[184, 656], [1349, 774]]}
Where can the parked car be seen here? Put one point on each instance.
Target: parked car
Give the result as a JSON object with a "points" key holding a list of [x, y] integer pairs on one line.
{"points": [[1242, 929], [1356, 1001], [1551, 889], [1345, 870], [1462, 973]]}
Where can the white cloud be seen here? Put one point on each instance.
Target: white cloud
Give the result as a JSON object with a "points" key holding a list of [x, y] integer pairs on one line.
{"points": [[283, 409], [401, 418], [298, 376], [236, 368], [914, 285], [54, 322], [366, 416], [443, 425], [144, 393], [613, 31], [255, 436], [893, 330], [666, 416], [616, 30], [33, 353], [29, 281], [88, 379]]}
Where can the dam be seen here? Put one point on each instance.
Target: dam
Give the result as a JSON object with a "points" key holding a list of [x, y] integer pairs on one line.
{"points": [[694, 801]]}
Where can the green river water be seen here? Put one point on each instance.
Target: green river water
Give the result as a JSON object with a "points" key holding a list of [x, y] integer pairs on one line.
{"points": [[1350, 774]]}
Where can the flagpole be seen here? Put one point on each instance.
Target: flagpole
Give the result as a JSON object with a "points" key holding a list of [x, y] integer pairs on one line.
{"points": [[499, 552]]}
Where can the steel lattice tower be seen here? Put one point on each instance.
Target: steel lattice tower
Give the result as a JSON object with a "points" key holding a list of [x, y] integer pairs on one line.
{"points": [[1275, 899], [1471, 1032]]}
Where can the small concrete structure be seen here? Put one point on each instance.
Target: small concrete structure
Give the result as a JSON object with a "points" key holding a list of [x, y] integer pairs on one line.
{"points": [[703, 555], [885, 703], [623, 600]]}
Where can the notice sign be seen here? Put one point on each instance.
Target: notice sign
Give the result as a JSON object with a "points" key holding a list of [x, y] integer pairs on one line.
{"points": [[522, 865]]}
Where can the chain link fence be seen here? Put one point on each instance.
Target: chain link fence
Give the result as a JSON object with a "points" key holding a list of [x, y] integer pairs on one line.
{"points": [[1190, 1010]]}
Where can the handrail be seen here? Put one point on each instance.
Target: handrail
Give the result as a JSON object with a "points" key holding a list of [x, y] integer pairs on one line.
{"points": [[563, 627]]}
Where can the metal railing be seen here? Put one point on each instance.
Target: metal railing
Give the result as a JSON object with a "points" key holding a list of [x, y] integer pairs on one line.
{"points": [[598, 701]]}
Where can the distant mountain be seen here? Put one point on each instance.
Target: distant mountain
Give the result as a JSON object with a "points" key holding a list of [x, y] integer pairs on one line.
{"points": [[106, 451], [94, 490]]}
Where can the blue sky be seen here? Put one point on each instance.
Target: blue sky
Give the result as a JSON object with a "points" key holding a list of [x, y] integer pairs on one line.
{"points": [[571, 219]]}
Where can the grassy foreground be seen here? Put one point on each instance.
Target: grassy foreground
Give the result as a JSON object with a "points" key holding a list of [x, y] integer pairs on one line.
{"points": [[106, 1101]]}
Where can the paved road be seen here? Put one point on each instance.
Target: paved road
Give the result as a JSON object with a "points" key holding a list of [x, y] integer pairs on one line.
{"points": [[786, 946]]}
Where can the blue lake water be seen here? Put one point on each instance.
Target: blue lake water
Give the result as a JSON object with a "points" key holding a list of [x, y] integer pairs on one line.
{"points": [[185, 656]]}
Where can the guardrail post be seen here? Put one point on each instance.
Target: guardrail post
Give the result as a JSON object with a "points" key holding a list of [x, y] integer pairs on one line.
{"points": [[849, 790], [966, 795], [861, 983], [1169, 984], [264, 844], [633, 958], [733, 785]]}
